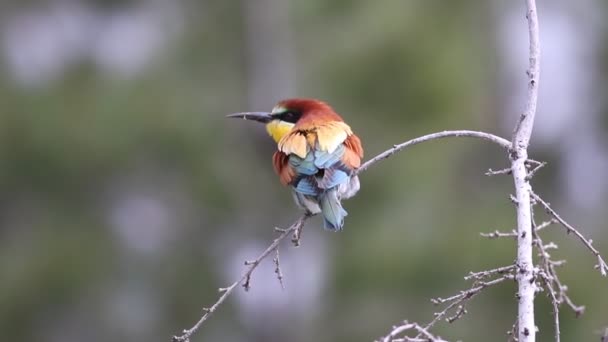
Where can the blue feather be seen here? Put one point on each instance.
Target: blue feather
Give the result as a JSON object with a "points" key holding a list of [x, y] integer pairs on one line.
{"points": [[332, 178], [319, 177], [307, 186], [304, 166], [324, 159], [331, 208]]}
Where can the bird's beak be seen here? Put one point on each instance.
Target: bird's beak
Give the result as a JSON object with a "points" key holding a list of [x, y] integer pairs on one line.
{"points": [[262, 117]]}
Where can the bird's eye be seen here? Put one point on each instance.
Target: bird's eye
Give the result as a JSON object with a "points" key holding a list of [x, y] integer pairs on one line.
{"points": [[290, 116]]}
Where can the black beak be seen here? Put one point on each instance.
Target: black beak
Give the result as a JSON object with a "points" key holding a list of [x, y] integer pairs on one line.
{"points": [[262, 117]]}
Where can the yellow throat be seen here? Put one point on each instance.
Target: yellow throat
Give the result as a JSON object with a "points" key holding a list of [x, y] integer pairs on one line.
{"points": [[277, 129]]}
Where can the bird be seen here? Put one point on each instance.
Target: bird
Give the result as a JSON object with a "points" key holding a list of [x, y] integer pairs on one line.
{"points": [[317, 155]]}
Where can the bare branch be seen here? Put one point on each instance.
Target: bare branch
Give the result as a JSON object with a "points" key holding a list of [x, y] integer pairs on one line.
{"points": [[602, 266], [535, 170], [519, 156], [277, 268], [185, 337], [513, 333], [488, 273], [245, 278], [544, 225], [531, 162], [555, 303], [433, 136], [498, 234], [513, 233], [403, 328], [297, 233], [548, 276], [491, 172], [458, 301]]}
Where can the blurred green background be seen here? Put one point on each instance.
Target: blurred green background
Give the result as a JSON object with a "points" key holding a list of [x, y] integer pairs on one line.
{"points": [[127, 199]]}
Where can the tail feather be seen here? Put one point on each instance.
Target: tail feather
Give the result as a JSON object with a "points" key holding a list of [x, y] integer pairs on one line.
{"points": [[331, 208]]}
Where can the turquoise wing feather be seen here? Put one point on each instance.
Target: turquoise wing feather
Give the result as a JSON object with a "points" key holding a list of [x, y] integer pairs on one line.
{"points": [[331, 208], [304, 166], [325, 160], [318, 177]]}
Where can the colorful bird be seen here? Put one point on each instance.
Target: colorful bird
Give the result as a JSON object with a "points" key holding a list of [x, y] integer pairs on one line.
{"points": [[317, 155]]}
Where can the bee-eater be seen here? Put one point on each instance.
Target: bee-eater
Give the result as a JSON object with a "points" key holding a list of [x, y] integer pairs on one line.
{"points": [[317, 155]]}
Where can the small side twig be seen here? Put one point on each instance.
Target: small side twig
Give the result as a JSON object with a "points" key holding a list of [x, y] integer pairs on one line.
{"points": [[602, 266], [277, 268], [513, 333], [488, 273], [297, 231], [506, 171], [535, 170], [403, 328], [498, 234], [555, 303], [550, 276], [513, 233], [458, 300]]}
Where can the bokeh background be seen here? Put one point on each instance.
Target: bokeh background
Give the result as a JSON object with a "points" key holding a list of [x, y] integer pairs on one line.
{"points": [[127, 199]]}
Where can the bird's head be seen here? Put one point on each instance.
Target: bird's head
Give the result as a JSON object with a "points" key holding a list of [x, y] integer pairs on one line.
{"points": [[289, 113]]}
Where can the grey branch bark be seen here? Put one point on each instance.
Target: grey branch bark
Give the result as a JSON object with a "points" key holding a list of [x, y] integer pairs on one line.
{"points": [[433, 136], [519, 154]]}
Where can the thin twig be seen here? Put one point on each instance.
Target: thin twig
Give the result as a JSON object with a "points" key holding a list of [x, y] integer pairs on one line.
{"points": [[549, 276], [433, 136], [498, 234], [488, 273], [550, 271], [531, 162], [555, 303], [602, 266], [512, 234], [277, 268], [513, 333], [244, 280], [461, 298], [535, 170], [297, 232], [491, 172], [507, 171], [404, 327]]}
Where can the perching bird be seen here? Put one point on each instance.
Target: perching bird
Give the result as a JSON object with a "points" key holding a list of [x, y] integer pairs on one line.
{"points": [[317, 155]]}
